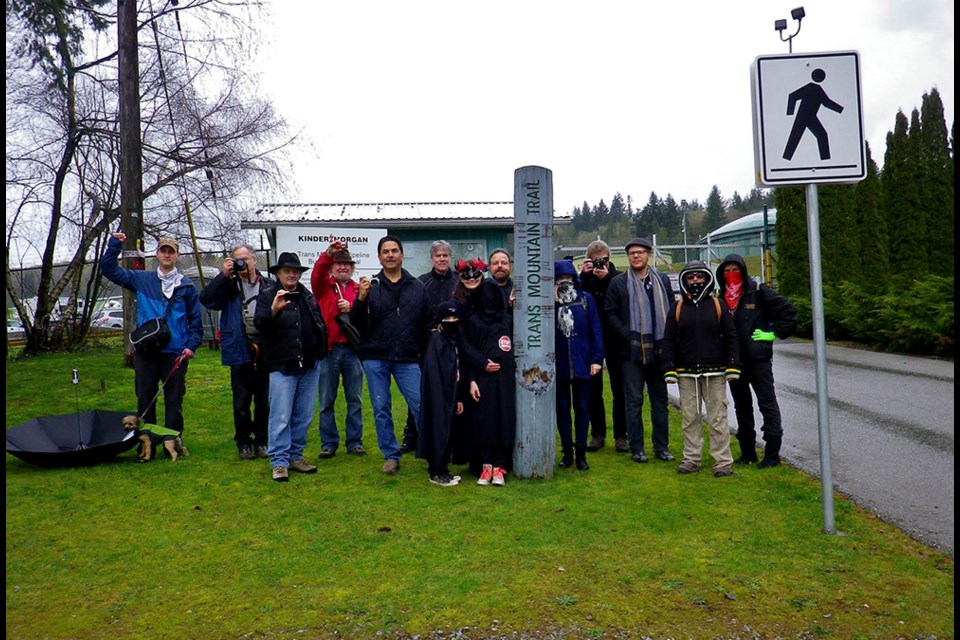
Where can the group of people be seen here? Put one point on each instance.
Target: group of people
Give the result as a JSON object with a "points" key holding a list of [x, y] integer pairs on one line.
{"points": [[445, 339], [716, 331]]}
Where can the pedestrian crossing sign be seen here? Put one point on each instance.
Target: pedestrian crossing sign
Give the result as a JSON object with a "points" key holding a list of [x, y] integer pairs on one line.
{"points": [[808, 119]]}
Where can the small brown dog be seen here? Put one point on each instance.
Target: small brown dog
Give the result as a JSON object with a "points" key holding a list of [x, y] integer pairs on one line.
{"points": [[151, 436]]}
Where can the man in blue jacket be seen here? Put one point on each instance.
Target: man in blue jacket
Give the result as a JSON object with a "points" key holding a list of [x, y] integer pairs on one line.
{"points": [[164, 293], [234, 294]]}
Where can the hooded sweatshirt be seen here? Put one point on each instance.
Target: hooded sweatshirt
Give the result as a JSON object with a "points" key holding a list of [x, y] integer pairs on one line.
{"points": [[757, 307]]}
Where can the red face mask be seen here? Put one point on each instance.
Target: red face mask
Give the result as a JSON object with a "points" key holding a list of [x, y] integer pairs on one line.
{"points": [[734, 282]]}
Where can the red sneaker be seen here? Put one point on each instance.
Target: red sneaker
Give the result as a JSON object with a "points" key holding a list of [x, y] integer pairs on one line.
{"points": [[499, 476], [487, 474]]}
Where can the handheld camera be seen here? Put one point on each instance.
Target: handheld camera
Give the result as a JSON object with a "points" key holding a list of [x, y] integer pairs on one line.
{"points": [[239, 266]]}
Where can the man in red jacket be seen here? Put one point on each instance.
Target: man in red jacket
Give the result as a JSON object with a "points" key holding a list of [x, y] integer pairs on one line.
{"points": [[335, 291]]}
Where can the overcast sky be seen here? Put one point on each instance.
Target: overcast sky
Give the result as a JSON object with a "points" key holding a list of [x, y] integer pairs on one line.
{"points": [[441, 101]]}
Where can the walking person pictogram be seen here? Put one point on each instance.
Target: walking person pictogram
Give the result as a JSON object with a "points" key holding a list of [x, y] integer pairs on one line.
{"points": [[811, 97]]}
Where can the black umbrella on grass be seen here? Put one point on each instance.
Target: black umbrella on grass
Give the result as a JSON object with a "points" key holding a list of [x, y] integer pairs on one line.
{"points": [[70, 440], [83, 438]]}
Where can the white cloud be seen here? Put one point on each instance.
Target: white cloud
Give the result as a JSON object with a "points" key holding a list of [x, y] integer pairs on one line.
{"points": [[434, 101]]}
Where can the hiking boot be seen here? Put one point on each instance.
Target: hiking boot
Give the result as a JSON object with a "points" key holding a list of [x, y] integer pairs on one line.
{"points": [[622, 446], [769, 461], [499, 477], [357, 451], [665, 455], [595, 444], [261, 451], [722, 472], [688, 467], [445, 480], [302, 466], [746, 459], [640, 456], [486, 476], [390, 467], [280, 474], [326, 454], [246, 453]]}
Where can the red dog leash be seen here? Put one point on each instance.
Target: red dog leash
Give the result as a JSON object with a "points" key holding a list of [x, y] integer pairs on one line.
{"points": [[176, 365]]}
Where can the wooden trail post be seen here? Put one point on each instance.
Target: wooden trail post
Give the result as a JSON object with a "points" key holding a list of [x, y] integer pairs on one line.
{"points": [[535, 450]]}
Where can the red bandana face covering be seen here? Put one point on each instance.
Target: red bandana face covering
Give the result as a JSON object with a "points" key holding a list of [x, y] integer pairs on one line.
{"points": [[734, 281]]}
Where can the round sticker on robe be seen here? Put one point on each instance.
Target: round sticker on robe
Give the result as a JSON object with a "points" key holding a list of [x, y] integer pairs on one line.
{"points": [[505, 343]]}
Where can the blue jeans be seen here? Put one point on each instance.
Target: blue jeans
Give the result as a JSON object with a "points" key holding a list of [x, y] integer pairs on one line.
{"points": [[407, 376], [341, 361], [292, 400]]}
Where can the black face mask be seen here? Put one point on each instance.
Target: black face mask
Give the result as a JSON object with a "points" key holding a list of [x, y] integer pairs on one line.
{"points": [[696, 288], [450, 328]]}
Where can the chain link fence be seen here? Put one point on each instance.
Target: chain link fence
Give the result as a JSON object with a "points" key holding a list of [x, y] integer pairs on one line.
{"points": [[26, 283]]}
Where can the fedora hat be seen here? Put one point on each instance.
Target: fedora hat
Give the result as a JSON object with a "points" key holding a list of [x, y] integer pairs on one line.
{"points": [[290, 260], [343, 256]]}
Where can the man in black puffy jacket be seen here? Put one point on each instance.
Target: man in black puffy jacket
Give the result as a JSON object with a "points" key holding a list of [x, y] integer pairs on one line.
{"points": [[393, 314], [760, 315]]}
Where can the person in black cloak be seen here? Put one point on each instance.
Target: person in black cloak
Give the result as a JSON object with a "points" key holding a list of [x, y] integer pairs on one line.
{"points": [[487, 353], [441, 394]]}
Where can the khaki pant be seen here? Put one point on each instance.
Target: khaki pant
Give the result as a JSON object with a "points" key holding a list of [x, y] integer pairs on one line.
{"points": [[713, 391]]}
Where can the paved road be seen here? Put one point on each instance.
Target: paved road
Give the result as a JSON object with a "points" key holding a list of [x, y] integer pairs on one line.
{"points": [[891, 427]]}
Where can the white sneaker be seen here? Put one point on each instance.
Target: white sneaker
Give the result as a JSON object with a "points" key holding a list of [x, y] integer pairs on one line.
{"points": [[486, 476]]}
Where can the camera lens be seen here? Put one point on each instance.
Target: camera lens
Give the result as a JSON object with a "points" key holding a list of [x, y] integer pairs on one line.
{"points": [[239, 264]]}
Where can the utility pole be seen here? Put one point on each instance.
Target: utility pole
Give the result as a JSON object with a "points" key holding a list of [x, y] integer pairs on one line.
{"points": [[131, 162]]}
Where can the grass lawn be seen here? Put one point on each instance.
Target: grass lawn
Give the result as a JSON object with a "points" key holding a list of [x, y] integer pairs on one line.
{"points": [[210, 547]]}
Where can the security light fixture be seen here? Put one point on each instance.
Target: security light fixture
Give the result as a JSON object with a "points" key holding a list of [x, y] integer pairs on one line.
{"points": [[797, 14]]}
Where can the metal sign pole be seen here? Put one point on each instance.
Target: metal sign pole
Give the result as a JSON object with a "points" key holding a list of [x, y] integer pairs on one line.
{"points": [[820, 356], [535, 447]]}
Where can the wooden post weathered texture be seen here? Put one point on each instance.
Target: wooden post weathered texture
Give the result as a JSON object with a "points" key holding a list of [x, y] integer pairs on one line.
{"points": [[533, 323], [130, 160]]}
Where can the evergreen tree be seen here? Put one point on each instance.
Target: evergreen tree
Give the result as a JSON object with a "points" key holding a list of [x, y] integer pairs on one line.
{"points": [[874, 243], [601, 214], [715, 210], [630, 211], [936, 185], [897, 185], [649, 219], [736, 202], [757, 198], [914, 221], [672, 220], [839, 243], [584, 221], [793, 272], [617, 209]]}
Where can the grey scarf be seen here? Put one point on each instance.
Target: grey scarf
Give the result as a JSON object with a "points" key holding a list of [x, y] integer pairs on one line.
{"points": [[646, 324]]}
